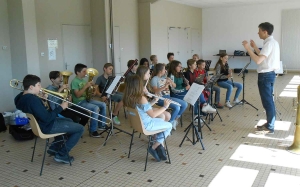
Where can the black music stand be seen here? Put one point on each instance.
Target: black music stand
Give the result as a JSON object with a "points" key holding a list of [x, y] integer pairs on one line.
{"points": [[190, 98], [243, 101], [210, 83], [110, 89]]}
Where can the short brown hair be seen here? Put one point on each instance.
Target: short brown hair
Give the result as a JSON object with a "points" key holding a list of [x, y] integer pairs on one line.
{"points": [[190, 62], [200, 62], [107, 65], [196, 55], [152, 57], [130, 62]]}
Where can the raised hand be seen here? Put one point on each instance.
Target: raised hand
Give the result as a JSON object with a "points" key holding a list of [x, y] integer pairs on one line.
{"points": [[252, 44], [246, 44]]}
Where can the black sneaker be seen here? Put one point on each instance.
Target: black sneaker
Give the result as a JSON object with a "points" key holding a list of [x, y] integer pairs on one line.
{"points": [[264, 130], [103, 128], [51, 152], [63, 159], [154, 154], [95, 134], [161, 152]]}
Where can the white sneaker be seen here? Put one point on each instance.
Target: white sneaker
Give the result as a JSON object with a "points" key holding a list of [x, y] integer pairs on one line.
{"points": [[116, 120], [174, 124], [227, 104], [196, 121], [208, 109], [237, 101]]}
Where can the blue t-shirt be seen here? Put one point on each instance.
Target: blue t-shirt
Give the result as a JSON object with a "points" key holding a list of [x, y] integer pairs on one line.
{"points": [[142, 110]]}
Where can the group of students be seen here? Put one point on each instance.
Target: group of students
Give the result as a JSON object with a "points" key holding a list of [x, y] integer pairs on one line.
{"points": [[168, 83]]}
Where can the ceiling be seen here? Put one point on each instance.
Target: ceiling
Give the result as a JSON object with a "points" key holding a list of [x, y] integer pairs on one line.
{"points": [[226, 3]]}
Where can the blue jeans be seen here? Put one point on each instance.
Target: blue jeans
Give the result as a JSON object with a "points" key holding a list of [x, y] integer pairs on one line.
{"points": [[196, 106], [117, 97], [265, 84], [217, 94], [228, 85], [73, 133], [176, 110], [157, 124], [97, 107]]}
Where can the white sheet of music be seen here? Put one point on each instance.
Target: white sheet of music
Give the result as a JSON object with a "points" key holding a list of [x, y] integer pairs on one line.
{"points": [[193, 94], [113, 84]]}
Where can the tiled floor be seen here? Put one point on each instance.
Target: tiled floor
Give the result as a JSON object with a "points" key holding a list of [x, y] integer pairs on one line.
{"points": [[234, 155]]}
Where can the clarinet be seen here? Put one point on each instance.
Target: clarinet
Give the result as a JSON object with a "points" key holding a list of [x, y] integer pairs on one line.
{"points": [[186, 82], [227, 66], [161, 98]]}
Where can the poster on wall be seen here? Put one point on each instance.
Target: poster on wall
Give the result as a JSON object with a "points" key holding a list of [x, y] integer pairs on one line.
{"points": [[51, 53], [52, 46]]}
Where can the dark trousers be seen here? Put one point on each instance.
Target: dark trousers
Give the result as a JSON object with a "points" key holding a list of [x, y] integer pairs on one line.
{"points": [[76, 117]]}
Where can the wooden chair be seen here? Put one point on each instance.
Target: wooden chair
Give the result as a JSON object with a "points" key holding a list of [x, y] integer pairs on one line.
{"points": [[38, 133], [138, 126]]}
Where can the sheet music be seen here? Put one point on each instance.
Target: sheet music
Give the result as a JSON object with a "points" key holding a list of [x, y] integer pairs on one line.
{"points": [[193, 94], [113, 84]]}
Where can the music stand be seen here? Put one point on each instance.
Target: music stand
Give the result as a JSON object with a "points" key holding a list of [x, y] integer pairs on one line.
{"points": [[243, 101], [110, 89], [191, 97], [210, 83]]}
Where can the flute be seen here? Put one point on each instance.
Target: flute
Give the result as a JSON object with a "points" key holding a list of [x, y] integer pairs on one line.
{"points": [[161, 98]]}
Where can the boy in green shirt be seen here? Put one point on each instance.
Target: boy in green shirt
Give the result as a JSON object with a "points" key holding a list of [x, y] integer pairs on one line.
{"points": [[78, 87]]}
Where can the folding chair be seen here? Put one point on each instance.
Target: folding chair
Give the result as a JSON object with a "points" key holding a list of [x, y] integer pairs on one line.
{"points": [[138, 126], [38, 133]]}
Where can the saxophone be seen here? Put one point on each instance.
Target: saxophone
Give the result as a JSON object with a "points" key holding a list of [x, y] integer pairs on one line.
{"points": [[295, 147], [91, 72], [66, 75]]}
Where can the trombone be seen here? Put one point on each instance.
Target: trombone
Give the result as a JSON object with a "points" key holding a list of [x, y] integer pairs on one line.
{"points": [[14, 83]]}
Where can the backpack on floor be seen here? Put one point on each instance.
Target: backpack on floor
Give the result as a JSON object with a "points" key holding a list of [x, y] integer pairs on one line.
{"points": [[19, 133], [2, 123]]}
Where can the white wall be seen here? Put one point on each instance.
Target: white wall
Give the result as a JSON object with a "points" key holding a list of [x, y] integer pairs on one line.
{"points": [[227, 27], [166, 14], [50, 16], [125, 15], [6, 94]]}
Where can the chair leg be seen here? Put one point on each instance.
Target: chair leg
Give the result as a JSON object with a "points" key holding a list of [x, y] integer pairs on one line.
{"points": [[125, 113], [47, 142], [150, 139], [181, 120], [33, 149], [140, 135], [66, 149], [167, 149], [131, 143]]}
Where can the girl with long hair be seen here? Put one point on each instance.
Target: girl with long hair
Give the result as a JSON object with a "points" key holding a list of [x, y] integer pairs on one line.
{"points": [[134, 97], [182, 87], [223, 68], [144, 73], [160, 86]]}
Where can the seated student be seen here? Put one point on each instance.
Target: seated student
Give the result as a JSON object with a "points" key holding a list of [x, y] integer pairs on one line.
{"points": [[79, 87], [223, 68], [144, 62], [153, 59], [29, 102], [144, 73], [56, 79], [134, 98], [170, 57], [182, 86], [201, 70], [160, 85], [117, 97], [133, 70], [196, 57]]}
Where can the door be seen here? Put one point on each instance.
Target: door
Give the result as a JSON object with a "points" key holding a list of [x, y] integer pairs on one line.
{"points": [[117, 52], [196, 42], [77, 47], [173, 42], [184, 46]]}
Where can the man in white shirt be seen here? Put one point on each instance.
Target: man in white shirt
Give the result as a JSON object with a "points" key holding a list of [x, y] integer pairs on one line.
{"points": [[268, 60]]}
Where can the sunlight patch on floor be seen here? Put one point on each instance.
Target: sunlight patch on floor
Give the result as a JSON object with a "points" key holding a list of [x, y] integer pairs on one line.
{"points": [[262, 155], [234, 177]]}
